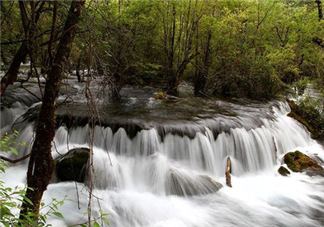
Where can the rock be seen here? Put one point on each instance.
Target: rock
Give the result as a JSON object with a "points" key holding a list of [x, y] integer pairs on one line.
{"points": [[160, 95], [309, 116], [189, 184], [299, 162], [315, 173], [72, 166], [296, 114], [283, 171]]}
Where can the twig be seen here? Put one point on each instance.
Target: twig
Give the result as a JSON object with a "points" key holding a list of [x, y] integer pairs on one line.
{"points": [[39, 99]]}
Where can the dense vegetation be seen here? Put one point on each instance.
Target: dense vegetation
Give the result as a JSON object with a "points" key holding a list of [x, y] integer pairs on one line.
{"points": [[237, 48]]}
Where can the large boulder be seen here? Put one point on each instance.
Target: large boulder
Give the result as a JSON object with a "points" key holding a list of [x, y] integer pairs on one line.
{"points": [[299, 162], [73, 165]]}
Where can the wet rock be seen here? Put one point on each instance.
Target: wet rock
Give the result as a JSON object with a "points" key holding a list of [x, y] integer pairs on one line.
{"points": [[189, 184], [315, 173], [160, 95], [72, 166], [309, 116], [283, 171], [299, 162], [296, 114]]}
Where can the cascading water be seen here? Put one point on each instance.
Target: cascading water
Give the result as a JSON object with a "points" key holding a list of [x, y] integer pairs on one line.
{"points": [[166, 173]]}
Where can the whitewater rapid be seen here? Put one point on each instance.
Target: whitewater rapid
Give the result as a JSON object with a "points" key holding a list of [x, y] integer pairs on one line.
{"points": [[135, 175]]}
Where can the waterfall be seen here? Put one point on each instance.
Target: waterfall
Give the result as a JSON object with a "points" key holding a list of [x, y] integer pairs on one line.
{"points": [[169, 174]]}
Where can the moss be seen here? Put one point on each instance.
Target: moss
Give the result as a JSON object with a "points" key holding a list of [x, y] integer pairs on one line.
{"points": [[283, 171], [299, 162], [160, 95]]}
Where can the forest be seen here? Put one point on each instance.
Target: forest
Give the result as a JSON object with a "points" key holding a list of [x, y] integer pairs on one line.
{"points": [[236, 48], [72, 70]]}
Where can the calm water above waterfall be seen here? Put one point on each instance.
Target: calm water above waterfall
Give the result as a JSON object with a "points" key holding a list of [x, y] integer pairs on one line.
{"points": [[157, 162]]}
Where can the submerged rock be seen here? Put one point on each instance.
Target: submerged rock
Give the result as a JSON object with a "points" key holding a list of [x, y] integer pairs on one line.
{"points": [[72, 166], [189, 184], [299, 162], [283, 171]]}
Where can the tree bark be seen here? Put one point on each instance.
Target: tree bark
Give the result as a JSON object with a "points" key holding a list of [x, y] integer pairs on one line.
{"points": [[319, 7], [11, 76], [78, 66], [41, 164], [201, 77], [228, 172]]}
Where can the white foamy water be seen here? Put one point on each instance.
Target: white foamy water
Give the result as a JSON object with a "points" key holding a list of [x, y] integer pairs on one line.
{"points": [[171, 181]]}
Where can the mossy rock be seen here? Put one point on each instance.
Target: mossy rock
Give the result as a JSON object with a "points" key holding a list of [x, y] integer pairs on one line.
{"points": [[313, 124], [283, 171], [299, 162], [295, 113], [160, 95], [73, 165], [304, 122]]}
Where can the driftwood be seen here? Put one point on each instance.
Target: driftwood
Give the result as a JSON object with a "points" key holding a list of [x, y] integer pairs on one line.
{"points": [[228, 172]]}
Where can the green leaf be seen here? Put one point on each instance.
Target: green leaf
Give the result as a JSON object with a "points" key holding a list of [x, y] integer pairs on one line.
{"points": [[58, 214], [13, 150], [105, 220], [28, 201], [95, 224]]}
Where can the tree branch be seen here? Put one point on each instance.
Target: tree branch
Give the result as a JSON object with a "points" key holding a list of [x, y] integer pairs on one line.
{"points": [[13, 161]]}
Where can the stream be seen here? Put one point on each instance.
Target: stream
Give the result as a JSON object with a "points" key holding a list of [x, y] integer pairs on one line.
{"points": [[156, 160]]}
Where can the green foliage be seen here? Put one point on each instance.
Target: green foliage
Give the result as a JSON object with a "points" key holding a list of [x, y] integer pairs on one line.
{"points": [[12, 198], [8, 142], [240, 47], [301, 85]]}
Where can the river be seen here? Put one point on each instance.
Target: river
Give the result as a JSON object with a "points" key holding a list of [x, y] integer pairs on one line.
{"points": [[155, 160]]}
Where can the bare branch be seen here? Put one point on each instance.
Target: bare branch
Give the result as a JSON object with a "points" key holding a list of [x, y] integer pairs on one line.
{"points": [[13, 161]]}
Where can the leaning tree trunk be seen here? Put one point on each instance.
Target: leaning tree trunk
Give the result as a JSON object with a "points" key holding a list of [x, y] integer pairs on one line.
{"points": [[11, 76], [41, 164], [319, 7]]}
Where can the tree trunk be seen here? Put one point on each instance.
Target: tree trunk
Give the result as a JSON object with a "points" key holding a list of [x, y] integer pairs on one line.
{"points": [[11, 76], [319, 7], [78, 66], [201, 78], [41, 164]]}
